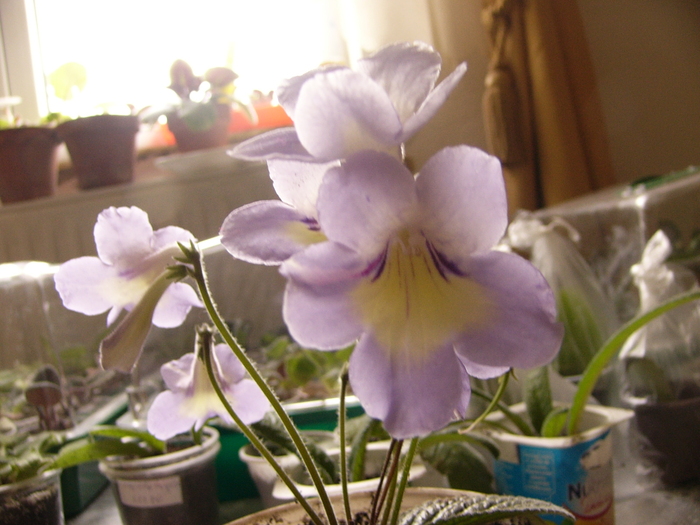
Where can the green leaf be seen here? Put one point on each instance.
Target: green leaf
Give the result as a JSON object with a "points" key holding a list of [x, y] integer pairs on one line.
{"points": [[555, 422], [519, 422], [469, 438], [537, 396], [472, 510], [275, 437], [465, 468], [582, 335], [358, 450], [301, 369], [84, 450], [129, 433], [647, 379], [610, 349]]}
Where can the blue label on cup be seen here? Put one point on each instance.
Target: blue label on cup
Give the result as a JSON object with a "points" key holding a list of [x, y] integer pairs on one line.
{"points": [[578, 478]]}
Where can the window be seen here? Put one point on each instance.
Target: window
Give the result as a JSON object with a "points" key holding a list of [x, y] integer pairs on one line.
{"points": [[127, 46]]}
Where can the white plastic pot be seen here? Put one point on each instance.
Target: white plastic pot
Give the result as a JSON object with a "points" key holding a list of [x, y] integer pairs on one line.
{"points": [[575, 472]]}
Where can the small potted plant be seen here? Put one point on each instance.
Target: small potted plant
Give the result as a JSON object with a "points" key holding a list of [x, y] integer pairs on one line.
{"points": [[30, 485], [201, 120], [28, 159]]}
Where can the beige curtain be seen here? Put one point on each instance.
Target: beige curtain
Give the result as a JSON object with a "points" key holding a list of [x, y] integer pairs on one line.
{"points": [[542, 111]]}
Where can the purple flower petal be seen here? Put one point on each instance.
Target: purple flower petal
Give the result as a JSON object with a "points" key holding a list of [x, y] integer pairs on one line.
{"points": [[463, 186], [342, 112], [297, 183], [522, 332], [288, 91], [79, 282], [123, 236], [176, 374], [366, 201], [433, 103], [164, 419], [267, 232], [174, 305], [413, 395], [229, 368], [321, 317], [281, 143], [169, 236], [406, 71]]}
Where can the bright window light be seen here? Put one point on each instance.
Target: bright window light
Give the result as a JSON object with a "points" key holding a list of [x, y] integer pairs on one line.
{"points": [[127, 46]]}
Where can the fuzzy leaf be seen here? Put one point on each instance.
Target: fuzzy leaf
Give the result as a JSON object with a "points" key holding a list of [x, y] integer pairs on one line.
{"points": [[275, 437], [538, 396], [129, 433], [465, 468], [472, 510], [358, 450]]}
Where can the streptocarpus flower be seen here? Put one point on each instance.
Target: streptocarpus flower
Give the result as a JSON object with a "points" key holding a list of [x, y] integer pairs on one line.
{"points": [[128, 270], [338, 111], [191, 401], [409, 270]]}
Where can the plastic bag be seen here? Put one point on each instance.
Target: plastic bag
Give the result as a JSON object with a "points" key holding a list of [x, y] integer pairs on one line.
{"points": [[587, 313], [661, 361]]}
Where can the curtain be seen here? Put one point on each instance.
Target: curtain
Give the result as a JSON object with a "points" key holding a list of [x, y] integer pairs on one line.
{"points": [[542, 112]]}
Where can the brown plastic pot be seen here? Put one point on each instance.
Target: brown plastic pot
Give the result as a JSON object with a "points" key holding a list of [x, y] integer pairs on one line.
{"points": [[102, 148], [189, 139], [672, 431], [28, 163]]}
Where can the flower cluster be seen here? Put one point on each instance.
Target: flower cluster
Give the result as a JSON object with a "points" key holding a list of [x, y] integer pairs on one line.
{"points": [[401, 264]]}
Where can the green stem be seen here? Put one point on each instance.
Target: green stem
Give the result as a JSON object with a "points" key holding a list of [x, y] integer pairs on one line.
{"points": [[343, 453], [509, 414], [408, 462], [254, 440], [610, 349], [502, 385], [199, 275], [377, 500]]}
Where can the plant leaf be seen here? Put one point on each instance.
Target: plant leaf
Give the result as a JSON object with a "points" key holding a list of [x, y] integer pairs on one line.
{"points": [[358, 450], [84, 450], [537, 395], [610, 349], [472, 510], [555, 422], [126, 433], [465, 468]]}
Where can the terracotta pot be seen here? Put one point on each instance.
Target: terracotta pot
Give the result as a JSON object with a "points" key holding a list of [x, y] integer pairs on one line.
{"points": [[28, 163], [672, 432], [294, 514], [35, 500], [102, 148], [189, 139], [178, 488]]}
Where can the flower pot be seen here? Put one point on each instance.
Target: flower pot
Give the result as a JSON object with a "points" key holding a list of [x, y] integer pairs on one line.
{"points": [[191, 139], [36, 500], [177, 488], [671, 433], [575, 472], [102, 148], [376, 452], [28, 163], [265, 477], [294, 514]]}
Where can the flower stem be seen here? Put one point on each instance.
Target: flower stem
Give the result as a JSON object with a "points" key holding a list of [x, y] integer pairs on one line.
{"points": [[502, 385], [207, 343], [194, 257], [389, 471], [408, 462], [343, 453]]}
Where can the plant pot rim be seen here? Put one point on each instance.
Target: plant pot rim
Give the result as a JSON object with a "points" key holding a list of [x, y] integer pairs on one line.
{"points": [[281, 492], [293, 514], [119, 467], [19, 485], [597, 419]]}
